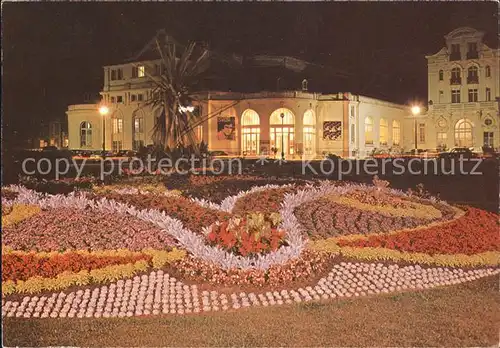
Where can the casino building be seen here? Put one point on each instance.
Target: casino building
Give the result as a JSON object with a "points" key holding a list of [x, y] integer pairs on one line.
{"points": [[463, 84]]}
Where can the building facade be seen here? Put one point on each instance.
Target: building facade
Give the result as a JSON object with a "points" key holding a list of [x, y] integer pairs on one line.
{"points": [[464, 90]]}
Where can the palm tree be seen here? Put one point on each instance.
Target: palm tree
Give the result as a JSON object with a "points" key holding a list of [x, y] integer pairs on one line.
{"points": [[173, 90]]}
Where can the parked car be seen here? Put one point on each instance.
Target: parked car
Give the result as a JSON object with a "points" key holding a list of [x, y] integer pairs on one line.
{"points": [[458, 152]]}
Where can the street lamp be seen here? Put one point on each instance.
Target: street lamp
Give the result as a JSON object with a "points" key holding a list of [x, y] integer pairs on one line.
{"points": [[282, 137], [415, 110], [103, 110]]}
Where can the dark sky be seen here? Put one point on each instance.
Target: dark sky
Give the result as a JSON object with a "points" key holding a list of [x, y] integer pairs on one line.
{"points": [[54, 52]]}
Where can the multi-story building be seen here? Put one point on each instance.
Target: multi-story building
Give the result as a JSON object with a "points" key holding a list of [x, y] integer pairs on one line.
{"points": [[464, 90], [240, 123]]}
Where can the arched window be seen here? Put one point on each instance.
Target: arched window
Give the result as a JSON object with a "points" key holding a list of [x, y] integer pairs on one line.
{"points": [[117, 125], [85, 134], [463, 133], [304, 85], [309, 132], [396, 133], [384, 131], [137, 132], [487, 71], [368, 130], [250, 128], [282, 123], [472, 74], [455, 76], [441, 75]]}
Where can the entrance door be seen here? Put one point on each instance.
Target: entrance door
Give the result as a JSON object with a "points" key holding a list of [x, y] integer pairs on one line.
{"points": [[283, 135]]}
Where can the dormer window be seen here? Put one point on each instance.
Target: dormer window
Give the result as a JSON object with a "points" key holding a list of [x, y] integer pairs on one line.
{"points": [[472, 50], [455, 52]]}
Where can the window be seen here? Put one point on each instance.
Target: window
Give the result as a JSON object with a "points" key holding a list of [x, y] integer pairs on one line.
{"points": [[441, 138], [455, 96], [138, 125], [488, 94], [112, 100], [119, 99], [488, 139], [472, 95], [396, 133], [113, 75], [353, 133], [472, 50], [352, 111], [421, 132], [383, 131], [116, 146], [456, 79], [250, 127], [85, 134], [199, 133], [463, 133], [472, 75], [117, 125], [487, 71], [441, 97], [282, 131], [455, 52], [119, 74], [137, 144], [309, 123], [368, 130], [141, 71], [140, 97], [441, 75], [133, 97]]}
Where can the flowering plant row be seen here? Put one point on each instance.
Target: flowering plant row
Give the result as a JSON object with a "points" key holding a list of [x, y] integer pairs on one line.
{"points": [[473, 233], [310, 263], [21, 267], [265, 201], [253, 234], [14, 214], [193, 216], [68, 228], [87, 275]]}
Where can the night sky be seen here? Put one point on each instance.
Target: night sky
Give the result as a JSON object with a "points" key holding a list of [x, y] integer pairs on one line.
{"points": [[54, 52]]}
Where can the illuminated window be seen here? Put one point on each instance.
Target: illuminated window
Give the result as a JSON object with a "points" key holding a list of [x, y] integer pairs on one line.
{"points": [[85, 134], [384, 131], [441, 138], [488, 139], [119, 99], [368, 130], [309, 133], [421, 132], [250, 128], [117, 125], [138, 125], [396, 133], [463, 133], [141, 71], [282, 131], [116, 146]]}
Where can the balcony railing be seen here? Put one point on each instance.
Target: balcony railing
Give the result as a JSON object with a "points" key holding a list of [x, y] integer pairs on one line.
{"points": [[455, 56], [456, 81], [472, 79], [472, 55]]}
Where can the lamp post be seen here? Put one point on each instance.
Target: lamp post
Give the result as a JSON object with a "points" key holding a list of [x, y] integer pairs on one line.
{"points": [[103, 110], [415, 110], [282, 137]]}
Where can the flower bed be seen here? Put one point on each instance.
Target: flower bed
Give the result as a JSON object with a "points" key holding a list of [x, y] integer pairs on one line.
{"points": [[267, 201], [23, 266], [252, 235], [14, 214], [309, 264], [193, 216], [77, 229], [473, 233]]}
